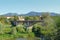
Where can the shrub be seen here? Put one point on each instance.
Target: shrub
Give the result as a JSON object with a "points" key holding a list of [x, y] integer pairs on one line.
{"points": [[20, 28]]}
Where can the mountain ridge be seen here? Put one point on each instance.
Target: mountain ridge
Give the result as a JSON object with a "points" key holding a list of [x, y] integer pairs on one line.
{"points": [[32, 13]]}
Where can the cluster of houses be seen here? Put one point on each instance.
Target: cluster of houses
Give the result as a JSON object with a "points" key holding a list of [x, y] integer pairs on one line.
{"points": [[19, 18]]}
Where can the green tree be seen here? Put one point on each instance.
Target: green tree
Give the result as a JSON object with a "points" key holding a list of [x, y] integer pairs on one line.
{"points": [[57, 21], [28, 18], [47, 27]]}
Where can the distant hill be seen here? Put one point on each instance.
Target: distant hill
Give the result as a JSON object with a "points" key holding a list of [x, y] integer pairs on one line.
{"points": [[33, 14], [11, 14], [39, 13], [30, 14]]}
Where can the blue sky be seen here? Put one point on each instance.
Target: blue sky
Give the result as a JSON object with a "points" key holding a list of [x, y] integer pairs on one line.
{"points": [[25, 6]]}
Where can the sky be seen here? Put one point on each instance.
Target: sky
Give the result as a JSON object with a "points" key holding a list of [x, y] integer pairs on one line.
{"points": [[25, 6]]}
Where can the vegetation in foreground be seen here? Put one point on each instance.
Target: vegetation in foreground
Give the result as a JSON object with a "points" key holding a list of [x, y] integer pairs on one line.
{"points": [[48, 30]]}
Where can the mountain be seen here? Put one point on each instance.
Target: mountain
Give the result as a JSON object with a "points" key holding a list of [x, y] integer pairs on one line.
{"points": [[54, 14], [11, 14], [39, 13], [33, 14], [30, 14]]}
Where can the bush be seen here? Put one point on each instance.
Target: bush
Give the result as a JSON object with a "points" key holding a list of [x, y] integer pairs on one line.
{"points": [[1, 28], [7, 29], [20, 28], [31, 35]]}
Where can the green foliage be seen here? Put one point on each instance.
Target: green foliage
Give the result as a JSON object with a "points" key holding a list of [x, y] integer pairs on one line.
{"points": [[49, 28], [3, 19], [57, 21], [20, 28], [36, 29], [7, 29], [1, 28], [13, 31], [28, 18], [4, 29], [15, 17], [31, 35], [32, 18]]}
